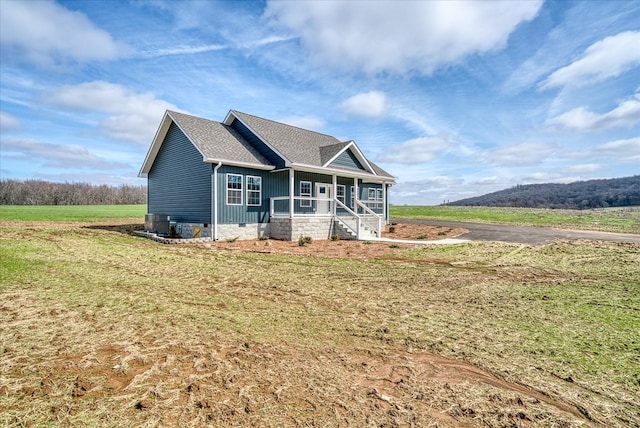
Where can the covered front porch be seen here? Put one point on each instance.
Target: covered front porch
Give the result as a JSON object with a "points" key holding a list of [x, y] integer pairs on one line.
{"points": [[326, 209]]}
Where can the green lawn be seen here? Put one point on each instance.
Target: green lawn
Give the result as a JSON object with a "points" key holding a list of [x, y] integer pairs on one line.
{"points": [[72, 213], [622, 220], [101, 328]]}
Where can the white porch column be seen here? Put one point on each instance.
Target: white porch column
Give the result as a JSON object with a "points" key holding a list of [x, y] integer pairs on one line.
{"points": [[355, 195], [334, 193], [385, 211], [292, 187]]}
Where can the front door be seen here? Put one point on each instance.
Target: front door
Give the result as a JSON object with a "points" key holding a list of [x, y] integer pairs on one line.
{"points": [[323, 191]]}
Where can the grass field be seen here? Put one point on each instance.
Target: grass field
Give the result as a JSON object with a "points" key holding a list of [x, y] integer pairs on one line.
{"points": [[101, 328], [74, 213], [622, 220]]}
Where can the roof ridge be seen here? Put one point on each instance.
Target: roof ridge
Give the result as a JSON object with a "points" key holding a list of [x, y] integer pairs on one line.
{"points": [[286, 124]]}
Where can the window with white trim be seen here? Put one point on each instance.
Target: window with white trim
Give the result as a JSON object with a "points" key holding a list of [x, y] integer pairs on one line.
{"points": [[234, 189], [254, 191], [305, 192], [379, 197], [340, 193], [372, 194], [353, 197]]}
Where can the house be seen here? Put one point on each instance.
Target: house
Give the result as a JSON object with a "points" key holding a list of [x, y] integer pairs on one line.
{"points": [[248, 177]]}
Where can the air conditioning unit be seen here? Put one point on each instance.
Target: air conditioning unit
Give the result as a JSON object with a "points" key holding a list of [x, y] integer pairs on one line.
{"points": [[157, 223]]}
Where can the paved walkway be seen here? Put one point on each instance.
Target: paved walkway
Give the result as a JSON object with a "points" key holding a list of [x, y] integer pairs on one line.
{"points": [[523, 234], [446, 241]]}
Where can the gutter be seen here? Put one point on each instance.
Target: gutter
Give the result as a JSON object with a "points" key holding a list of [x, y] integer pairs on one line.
{"points": [[214, 201]]}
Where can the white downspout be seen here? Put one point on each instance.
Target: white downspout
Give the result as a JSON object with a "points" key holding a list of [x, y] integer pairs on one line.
{"points": [[214, 201]]}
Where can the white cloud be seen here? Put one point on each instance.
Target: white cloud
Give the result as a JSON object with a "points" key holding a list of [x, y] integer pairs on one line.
{"points": [[45, 33], [132, 116], [416, 151], [56, 155], [394, 36], [602, 60], [579, 169], [305, 122], [627, 150], [626, 115], [491, 181], [529, 153], [369, 104], [9, 122], [184, 50]]}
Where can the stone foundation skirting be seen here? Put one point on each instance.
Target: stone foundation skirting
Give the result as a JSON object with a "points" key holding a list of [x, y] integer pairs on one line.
{"points": [[291, 229], [243, 231], [286, 229]]}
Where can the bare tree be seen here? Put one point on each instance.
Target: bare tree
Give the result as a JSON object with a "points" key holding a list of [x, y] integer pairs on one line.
{"points": [[40, 192]]}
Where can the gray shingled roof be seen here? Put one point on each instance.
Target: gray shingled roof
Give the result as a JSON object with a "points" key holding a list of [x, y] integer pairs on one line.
{"points": [[299, 146], [216, 140], [328, 152]]}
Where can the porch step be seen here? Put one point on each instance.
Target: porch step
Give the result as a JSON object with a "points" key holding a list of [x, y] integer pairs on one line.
{"points": [[350, 226]]}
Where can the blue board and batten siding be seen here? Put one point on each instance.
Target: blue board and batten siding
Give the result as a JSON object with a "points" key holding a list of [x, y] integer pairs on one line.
{"points": [[347, 160], [273, 184], [179, 181]]}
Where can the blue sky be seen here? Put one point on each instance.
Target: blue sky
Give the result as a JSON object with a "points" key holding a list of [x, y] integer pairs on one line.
{"points": [[456, 99]]}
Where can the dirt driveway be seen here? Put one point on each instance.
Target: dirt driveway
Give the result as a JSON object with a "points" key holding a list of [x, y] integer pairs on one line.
{"points": [[522, 234]]}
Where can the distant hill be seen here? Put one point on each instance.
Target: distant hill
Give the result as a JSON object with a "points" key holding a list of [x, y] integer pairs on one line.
{"points": [[615, 192]]}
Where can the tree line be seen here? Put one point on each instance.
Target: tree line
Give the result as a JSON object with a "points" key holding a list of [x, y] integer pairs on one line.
{"points": [[615, 192], [40, 192]]}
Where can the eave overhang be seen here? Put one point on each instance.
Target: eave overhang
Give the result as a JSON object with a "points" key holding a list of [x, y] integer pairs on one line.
{"points": [[343, 173]]}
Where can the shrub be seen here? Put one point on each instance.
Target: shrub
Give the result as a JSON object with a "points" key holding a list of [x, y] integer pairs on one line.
{"points": [[421, 237], [263, 238], [392, 229], [232, 239], [335, 237], [304, 240], [394, 246], [442, 233]]}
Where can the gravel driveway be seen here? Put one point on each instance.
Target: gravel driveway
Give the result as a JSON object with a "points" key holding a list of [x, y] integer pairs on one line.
{"points": [[522, 234]]}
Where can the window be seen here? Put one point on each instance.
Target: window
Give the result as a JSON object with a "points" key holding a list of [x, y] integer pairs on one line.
{"points": [[234, 189], [379, 197], [254, 190], [353, 196], [305, 192], [340, 193], [372, 194]]}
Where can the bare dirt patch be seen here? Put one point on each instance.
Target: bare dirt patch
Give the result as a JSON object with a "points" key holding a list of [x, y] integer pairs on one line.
{"points": [[348, 248]]}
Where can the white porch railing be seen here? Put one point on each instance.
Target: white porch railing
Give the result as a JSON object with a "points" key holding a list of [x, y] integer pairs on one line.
{"points": [[302, 206], [348, 218], [370, 218], [355, 220]]}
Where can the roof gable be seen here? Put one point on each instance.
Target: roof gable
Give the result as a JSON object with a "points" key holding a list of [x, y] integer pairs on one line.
{"points": [[215, 141], [346, 159]]}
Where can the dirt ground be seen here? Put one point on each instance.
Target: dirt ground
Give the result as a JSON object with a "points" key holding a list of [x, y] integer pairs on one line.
{"points": [[349, 248], [195, 347]]}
